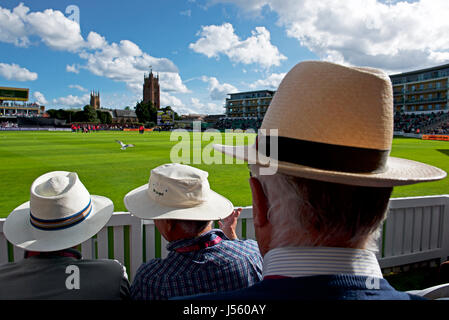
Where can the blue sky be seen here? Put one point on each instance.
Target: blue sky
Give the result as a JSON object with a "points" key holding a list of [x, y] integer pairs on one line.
{"points": [[204, 49]]}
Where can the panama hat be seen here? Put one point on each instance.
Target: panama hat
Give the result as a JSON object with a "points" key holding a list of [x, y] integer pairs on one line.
{"points": [[60, 214], [177, 191], [334, 123]]}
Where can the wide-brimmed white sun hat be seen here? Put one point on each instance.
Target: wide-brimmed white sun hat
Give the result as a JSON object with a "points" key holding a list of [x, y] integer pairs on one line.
{"points": [[334, 123], [60, 214], [177, 191]]}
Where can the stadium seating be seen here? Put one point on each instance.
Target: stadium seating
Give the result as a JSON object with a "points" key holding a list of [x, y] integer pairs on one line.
{"points": [[238, 123], [430, 123]]}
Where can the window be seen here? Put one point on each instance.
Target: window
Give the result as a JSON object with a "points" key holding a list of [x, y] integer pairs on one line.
{"points": [[429, 107]]}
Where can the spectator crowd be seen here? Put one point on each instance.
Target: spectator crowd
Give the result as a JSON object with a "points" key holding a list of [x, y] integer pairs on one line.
{"points": [[317, 218], [238, 123], [417, 123], [7, 124]]}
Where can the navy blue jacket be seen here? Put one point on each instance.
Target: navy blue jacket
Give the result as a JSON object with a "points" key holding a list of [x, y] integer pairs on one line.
{"points": [[326, 287]]}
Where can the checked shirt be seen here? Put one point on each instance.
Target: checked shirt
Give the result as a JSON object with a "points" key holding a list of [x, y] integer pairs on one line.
{"points": [[206, 264]]}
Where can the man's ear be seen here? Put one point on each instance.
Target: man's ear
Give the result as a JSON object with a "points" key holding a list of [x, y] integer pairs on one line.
{"points": [[260, 203]]}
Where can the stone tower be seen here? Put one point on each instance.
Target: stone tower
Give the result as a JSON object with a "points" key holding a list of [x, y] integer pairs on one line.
{"points": [[151, 90], [95, 100]]}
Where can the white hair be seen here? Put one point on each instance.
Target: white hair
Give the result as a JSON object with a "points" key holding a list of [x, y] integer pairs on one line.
{"points": [[307, 212]]}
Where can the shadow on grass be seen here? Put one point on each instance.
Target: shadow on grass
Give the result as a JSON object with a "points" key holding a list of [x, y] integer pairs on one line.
{"points": [[444, 151]]}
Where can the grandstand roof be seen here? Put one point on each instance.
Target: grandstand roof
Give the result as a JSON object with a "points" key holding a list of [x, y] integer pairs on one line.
{"points": [[251, 94], [420, 71]]}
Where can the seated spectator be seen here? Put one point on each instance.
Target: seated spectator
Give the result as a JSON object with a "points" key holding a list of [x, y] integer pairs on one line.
{"points": [[60, 215], [201, 259], [319, 215]]}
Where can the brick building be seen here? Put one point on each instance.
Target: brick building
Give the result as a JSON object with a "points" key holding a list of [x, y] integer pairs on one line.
{"points": [[151, 90]]}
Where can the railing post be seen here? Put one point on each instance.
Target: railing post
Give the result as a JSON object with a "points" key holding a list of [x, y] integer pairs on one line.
{"points": [[445, 231], [135, 250]]}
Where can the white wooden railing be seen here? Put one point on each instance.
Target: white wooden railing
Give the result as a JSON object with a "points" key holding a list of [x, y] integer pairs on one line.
{"points": [[416, 229]]}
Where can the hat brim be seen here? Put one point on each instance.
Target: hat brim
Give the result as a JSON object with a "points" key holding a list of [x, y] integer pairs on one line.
{"points": [[21, 233], [142, 206], [399, 171]]}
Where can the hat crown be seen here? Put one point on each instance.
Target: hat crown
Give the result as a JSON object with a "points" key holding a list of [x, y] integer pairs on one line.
{"points": [[53, 186], [334, 104], [57, 195], [178, 186]]}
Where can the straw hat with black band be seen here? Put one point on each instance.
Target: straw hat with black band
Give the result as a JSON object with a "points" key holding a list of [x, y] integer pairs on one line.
{"points": [[335, 124]]}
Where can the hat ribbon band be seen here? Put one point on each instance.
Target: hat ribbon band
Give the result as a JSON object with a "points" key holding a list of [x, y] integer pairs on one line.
{"points": [[325, 156], [62, 223]]}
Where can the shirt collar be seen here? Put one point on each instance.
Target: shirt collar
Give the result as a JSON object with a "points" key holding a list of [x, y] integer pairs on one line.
{"points": [[69, 252], [312, 261], [208, 237]]}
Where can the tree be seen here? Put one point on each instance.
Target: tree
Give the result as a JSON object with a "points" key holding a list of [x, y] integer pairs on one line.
{"points": [[62, 114], [146, 112], [104, 117], [79, 116], [176, 117], [90, 113]]}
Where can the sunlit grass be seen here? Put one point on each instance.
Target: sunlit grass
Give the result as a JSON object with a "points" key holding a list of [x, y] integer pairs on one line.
{"points": [[106, 170]]}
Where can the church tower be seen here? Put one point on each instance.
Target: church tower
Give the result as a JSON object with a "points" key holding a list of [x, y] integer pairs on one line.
{"points": [[151, 90], [95, 100]]}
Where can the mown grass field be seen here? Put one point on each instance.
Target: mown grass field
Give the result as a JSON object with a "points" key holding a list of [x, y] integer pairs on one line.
{"points": [[106, 170]]}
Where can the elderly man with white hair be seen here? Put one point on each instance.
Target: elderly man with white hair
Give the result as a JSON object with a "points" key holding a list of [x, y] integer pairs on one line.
{"points": [[319, 215]]}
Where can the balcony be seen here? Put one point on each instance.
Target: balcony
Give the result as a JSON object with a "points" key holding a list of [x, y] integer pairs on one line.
{"points": [[418, 91], [442, 88], [423, 101]]}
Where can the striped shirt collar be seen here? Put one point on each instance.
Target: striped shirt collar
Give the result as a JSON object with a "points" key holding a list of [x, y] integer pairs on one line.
{"points": [[313, 261]]}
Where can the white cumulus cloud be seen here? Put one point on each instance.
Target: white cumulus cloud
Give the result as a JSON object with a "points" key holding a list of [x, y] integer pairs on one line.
{"points": [[77, 86], [395, 36], [217, 90], [126, 62], [50, 26], [72, 68], [71, 101], [123, 61], [221, 39], [13, 27], [40, 98], [15, 72], [206, 108], [271, 82]]}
